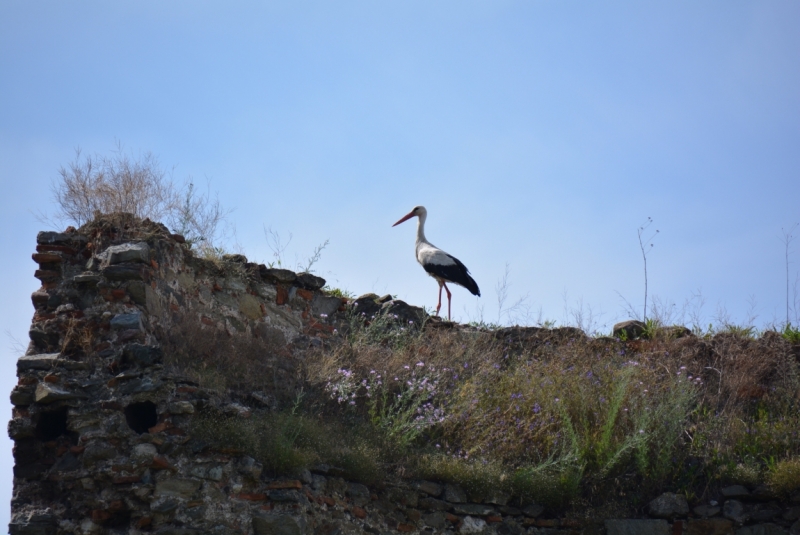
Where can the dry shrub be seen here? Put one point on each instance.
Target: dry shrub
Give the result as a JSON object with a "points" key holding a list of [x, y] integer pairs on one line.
{"points": [[91, 186], [108, 184]]}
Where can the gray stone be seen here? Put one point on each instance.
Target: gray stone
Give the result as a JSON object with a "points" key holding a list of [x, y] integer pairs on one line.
{"points": [[21, 396], [435, 520], [289, 496], [318, 482], [638, 527], [762, 529], [735, 491], [404, 313], [141, 354], [127, 252], [477, 509], [215, 474], [764, 512], [124, 322], [277, 524], [34, 523], [42, 361], [357, 490], [323, 305], [144, 452], [59, 238], [792, 513], [49, 393], [763, 493], [454, 494], [67, 463], [629, 329], [735, 510], [123, 272], [86, 278], [138, 292], [706, 510], [366, 306], [181, 407], [472, 525], [177, 488], [140, 385], [275, 275], [309, 281], [165, 505], [432, 504], [668, 505], [249, 467], [795, 529], [507, 510], [533, 510], [430, 488], [98, 451], [47, 340]]}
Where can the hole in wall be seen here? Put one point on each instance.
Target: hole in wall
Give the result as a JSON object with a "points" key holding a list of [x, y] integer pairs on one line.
{"points": [[141, 416], [51, 424]]}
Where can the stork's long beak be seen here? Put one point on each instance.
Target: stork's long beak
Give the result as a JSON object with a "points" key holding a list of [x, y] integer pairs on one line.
{"points": [[405, 218]]}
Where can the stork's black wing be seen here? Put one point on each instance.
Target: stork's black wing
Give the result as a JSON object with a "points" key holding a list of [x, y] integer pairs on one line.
{"points": [[456, 273]]}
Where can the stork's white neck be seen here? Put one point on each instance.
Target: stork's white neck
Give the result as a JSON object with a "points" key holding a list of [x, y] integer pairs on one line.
{"points": [[421, 229]]}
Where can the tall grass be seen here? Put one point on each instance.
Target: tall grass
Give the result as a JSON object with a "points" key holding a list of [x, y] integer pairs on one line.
{"points": [[548, 415]]}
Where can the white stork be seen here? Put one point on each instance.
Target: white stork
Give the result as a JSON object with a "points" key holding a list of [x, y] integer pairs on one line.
{"points": [[438, 264]]}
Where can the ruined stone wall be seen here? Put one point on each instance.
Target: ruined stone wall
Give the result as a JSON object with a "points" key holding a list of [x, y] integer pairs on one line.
{"points": [[102, 429]]}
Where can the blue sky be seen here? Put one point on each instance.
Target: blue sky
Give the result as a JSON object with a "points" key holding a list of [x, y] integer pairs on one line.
{"points": [[539, 134]]}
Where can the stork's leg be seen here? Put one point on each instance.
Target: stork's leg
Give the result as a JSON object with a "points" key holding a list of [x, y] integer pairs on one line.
{"points": [[439, 304], [448, 299]]}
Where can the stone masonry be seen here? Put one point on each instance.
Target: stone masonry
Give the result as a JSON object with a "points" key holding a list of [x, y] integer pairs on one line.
{"points": [[102, 428]]}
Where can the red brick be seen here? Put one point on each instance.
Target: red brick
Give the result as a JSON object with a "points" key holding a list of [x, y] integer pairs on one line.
{"points": [[305, 294], [205, 320], [327, 500], [283, 295], [161, 463], [46, 258], [547, 523], [289, 484], [50, 378], [405, 528], [358, 512], [144, 522], [493, 519], [77, 450], [251, 497], [99, 516]]}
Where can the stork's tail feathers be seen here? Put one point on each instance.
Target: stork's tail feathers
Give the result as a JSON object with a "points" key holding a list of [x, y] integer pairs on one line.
{"points": [[472, 286]]}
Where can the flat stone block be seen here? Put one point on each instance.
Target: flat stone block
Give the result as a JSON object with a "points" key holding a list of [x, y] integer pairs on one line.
{"points": [[638, 527], [127, 252], [123, 322]]}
